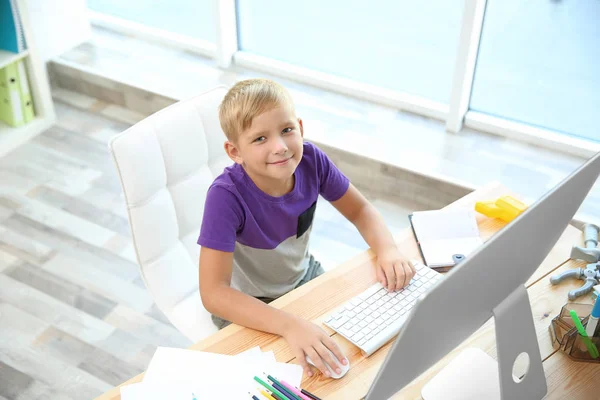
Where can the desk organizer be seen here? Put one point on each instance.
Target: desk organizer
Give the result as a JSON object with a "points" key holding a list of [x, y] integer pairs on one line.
{"points": [[565, 336]]}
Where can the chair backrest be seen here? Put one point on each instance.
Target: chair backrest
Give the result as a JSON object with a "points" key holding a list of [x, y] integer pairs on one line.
{"points": [[166, 163]]}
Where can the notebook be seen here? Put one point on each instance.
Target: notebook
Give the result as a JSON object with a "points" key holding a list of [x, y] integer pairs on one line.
{"points": [[11, 31], [441, 234]]}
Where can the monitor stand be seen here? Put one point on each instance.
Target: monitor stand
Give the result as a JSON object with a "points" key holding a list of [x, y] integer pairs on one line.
{"points": [[474, 375]]}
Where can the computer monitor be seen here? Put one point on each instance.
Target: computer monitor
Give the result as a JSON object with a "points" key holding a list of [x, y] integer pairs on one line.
{"points": [[490, 282]]}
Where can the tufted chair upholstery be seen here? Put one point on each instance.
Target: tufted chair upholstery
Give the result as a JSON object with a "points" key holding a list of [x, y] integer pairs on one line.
{"points": [[166, 163]]}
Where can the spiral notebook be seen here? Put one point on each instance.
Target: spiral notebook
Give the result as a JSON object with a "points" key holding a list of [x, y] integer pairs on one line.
{"points": [[11, 31], [441, 234]]}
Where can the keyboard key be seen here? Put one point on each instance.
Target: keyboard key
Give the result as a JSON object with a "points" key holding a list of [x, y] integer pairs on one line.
{"points": [[375, 314], [346, 332], [369, 319], [339, 322], [350, 314], [356, 302], [362, 315], [370, 292]]}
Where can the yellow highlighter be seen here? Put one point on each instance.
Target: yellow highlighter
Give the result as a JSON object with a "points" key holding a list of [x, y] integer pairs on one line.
{"points": [[505, 208]]}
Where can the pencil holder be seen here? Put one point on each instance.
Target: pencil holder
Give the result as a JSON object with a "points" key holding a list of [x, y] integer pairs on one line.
{"points": [[566, 338]]}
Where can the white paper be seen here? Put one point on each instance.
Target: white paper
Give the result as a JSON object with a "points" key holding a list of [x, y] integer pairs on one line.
{"points": [[439, 252], [443, 233], [197, 368], [445, 224], [251, 354], [157, 391], [269, 356]]}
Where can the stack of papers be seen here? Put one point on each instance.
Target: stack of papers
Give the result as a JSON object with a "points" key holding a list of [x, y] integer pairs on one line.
{"points": [[178, 374]]}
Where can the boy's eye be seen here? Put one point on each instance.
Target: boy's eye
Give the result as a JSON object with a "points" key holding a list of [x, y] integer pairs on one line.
{"points": [[287, 130], [260, 139]]}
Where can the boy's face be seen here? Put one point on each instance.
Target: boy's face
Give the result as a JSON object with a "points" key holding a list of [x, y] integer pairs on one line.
{"points": [[272, 147]]}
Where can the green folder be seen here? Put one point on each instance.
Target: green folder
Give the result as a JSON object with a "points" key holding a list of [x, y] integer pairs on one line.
{"points": [[11, 110], [26, 101]]}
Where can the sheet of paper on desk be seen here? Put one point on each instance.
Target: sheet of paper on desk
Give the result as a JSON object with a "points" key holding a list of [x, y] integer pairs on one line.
{"points": [[157, 391], [171, 365]]}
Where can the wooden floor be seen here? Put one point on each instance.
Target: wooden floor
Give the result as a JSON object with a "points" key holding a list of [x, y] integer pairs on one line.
{"points": [[75, 318]]}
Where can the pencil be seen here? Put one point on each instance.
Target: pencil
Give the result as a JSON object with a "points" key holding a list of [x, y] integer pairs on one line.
{"points": [[274, 392], [295, 390], [253, 396], [276, 397], [283, 389], [309, 394], [267, 395]]}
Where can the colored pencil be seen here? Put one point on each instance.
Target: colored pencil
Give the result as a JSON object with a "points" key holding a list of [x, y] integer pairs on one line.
{"points": [[309, 394], [283, 389], [274, 392], [267, 395], [295, 390]]}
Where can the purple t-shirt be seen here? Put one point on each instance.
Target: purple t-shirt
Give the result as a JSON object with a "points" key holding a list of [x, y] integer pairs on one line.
{"points": [[268, 235]]}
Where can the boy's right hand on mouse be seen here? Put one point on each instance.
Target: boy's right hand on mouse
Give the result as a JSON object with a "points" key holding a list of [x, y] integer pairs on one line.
{"points": [[307, 339]]}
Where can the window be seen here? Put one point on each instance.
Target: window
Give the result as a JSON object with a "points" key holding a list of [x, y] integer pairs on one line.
{"points": [[408, 46], [192, 18], [539, 63]]}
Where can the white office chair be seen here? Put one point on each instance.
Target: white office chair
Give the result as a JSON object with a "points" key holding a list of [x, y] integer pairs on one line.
{"points": [[166, 164]]}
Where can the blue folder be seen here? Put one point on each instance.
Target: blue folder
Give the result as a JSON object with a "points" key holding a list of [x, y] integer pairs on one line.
{"points": [[11, 32]]}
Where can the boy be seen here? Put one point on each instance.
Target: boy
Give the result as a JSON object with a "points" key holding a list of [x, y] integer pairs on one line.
{"points": [[258, 216]]}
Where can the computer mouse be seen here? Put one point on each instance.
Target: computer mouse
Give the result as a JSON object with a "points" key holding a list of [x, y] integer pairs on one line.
{"points": [[334, 374]]}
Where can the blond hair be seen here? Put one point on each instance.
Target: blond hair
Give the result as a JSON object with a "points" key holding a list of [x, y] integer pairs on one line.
{"points": [[246, 100]]}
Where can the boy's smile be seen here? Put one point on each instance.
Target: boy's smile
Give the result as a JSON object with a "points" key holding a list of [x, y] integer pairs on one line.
{"points": [[282, 162]]}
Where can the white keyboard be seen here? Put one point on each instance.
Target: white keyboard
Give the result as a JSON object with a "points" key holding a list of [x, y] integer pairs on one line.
{"points": [[375, 316]]}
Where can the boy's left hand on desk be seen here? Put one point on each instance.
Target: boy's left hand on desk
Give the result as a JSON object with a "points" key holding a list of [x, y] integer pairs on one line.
{"points": [[394, 271]]}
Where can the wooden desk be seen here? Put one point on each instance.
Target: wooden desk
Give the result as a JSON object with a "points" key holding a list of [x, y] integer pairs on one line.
{"points": [[313, 301]]}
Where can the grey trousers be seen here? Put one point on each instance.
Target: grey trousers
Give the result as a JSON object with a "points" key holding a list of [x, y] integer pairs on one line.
{"points": [[314, 269]]}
